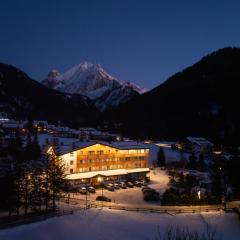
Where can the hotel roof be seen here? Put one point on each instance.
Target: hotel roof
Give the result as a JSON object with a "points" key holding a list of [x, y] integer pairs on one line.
{"points": [[118, 145]]}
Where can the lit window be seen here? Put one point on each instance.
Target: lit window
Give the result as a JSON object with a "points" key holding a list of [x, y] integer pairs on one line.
{"points": [[71, 162]]}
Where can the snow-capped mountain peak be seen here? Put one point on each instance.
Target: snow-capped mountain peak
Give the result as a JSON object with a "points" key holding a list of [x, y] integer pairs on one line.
{"points": [[94, 82]]}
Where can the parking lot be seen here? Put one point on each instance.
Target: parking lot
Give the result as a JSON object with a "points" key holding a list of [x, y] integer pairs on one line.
{"points": [[133, 196]]}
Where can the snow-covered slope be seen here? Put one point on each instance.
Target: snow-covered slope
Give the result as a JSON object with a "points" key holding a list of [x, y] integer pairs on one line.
{"points": [[128, 225], [93, 81]]}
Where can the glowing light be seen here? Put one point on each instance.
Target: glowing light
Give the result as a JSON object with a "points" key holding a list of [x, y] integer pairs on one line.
{"points": [[199, 194], [50, 150], [217, 152]]}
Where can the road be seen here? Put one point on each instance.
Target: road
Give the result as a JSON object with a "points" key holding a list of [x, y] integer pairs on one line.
{"points": [[153, 208]]}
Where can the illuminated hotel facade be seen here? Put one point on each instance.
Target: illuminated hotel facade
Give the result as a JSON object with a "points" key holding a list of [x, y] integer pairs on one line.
{"points": [[86, 162]]}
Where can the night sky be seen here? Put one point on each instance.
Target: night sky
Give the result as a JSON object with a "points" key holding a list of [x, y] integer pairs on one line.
{"points": [[143, 41]]}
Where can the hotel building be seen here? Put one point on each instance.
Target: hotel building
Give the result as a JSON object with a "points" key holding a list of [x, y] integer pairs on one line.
{"points": [[90, 161]]}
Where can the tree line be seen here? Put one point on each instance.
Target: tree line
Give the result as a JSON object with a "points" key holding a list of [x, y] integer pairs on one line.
{"points": [[30, 180]]}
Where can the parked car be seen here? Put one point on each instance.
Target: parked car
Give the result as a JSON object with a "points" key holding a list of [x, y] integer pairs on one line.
{"points": [[116, 186], [91, 189], [150, 194], [144, 183], [83, 190], [70, 188], [109, 187], [137, 183], [122, 185], [130, 184], [148, 190], [145, 188], [103, 198]]}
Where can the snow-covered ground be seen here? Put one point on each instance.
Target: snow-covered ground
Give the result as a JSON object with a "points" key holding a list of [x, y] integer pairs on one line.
{"points": [[133, 196], [95, 224], [171, 155]]}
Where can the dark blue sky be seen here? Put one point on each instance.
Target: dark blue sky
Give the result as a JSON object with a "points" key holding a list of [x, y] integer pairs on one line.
{"points": [[144, 41]]}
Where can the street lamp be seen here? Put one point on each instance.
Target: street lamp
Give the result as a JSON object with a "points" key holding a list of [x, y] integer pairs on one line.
{"points": [[199, 198], [100, 180], [199, 195]]}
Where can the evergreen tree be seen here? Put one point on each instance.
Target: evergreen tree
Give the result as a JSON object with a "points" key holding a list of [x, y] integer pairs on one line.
{"points": [[32, 149], [30, 126], [233, 173], [217, 187], [54, 179], [192, 165], [18, 169], [161, 158], [201, 161], [29, 179], [8, 193]]}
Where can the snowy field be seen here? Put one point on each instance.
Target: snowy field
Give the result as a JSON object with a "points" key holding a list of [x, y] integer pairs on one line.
{"points": [[98, 224], [133, 196]]}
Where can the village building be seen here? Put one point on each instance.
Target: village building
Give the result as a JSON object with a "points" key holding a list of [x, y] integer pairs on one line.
{"points": [[12, 127], [197, 145], [94, 134]]}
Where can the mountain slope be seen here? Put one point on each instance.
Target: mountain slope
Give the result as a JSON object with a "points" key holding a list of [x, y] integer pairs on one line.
{"points": [[24, 97], [202, 100], [92, 81]]}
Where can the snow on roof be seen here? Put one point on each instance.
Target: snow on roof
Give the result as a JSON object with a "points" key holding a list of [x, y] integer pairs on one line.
{"points": [[40, 122], [129, 145], [43, 138], [199, 140], [87, 129], [74, 147], [137, 170], [10, 125], [165, 144], [62, 128], [106, 173], [119, 145]]}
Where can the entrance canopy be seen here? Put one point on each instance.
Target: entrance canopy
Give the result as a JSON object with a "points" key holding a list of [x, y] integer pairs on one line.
{"points": [[107, 173]]}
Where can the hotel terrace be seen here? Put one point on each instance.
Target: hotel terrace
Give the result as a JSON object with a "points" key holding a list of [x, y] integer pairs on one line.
{"points": [[88, 162]]}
